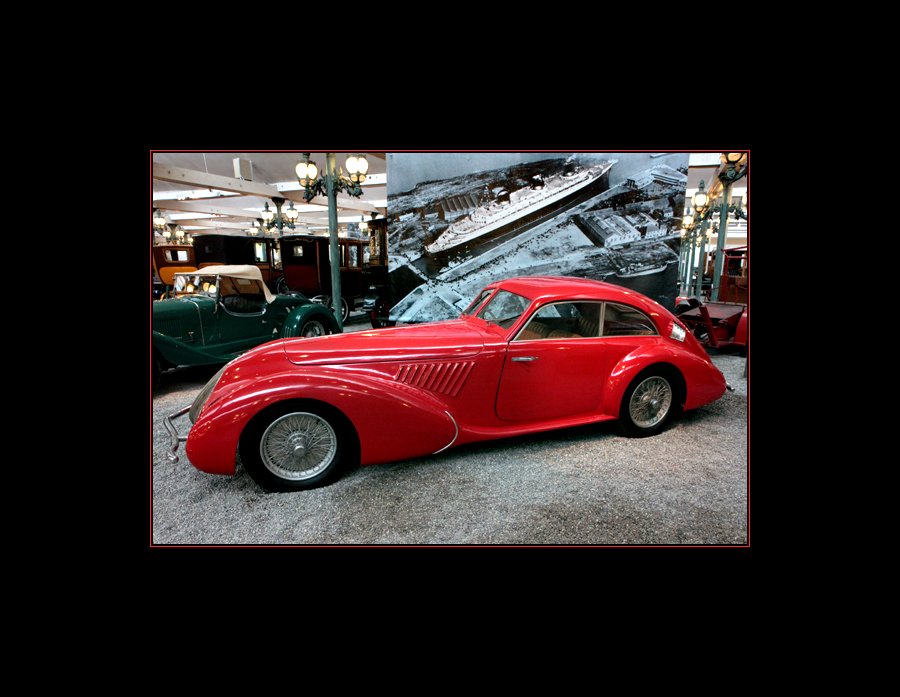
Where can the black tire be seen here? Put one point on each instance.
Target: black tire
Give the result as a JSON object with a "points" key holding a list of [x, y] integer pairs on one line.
{"points": [[381, 310], [297, 445], [652, 400]]}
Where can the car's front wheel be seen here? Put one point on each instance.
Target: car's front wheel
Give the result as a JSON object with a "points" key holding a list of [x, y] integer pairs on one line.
{"points": [[649, 403], [296, 446]]}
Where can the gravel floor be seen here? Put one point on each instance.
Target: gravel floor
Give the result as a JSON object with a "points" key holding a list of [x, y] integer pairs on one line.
{"points": [[581, 486]]}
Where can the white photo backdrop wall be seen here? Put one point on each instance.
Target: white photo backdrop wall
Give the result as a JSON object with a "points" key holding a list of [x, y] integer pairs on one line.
{"points": [[458, 221]]}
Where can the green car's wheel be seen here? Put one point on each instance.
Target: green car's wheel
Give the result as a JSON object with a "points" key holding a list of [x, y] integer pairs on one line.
{"points": [[312, 328]]}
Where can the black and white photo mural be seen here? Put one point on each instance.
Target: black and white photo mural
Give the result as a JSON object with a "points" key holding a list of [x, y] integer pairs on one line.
{"points": [[458, 221]]}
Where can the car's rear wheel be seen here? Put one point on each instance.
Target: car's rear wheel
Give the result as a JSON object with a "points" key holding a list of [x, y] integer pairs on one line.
{"points": [[649, 403], [312, 328], [295, 446]]}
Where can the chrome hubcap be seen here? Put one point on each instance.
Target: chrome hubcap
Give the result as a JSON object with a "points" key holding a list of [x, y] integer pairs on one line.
{"points": [[650, 402], [298, 446]]}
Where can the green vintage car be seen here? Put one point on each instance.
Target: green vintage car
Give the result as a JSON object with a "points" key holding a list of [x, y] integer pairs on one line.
{"points": [[219, 312]]}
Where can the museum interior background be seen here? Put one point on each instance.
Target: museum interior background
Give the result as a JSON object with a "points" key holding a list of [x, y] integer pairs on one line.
{"points": [[456, 221]]}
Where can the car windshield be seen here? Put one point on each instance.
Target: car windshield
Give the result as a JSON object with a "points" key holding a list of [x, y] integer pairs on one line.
{"points": [[504, 309], [199, 285], [482, 296]]}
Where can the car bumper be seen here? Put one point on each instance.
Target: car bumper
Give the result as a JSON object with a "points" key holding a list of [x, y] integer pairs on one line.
{"points": [[174, 437]]}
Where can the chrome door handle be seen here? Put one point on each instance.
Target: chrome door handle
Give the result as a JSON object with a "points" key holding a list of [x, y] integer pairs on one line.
{"points": [[525, 358]]}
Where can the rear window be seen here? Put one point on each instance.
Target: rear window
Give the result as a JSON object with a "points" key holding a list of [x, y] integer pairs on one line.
{"points": [[621, 320]]}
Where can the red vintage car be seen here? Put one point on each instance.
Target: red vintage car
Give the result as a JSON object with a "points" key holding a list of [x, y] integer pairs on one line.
{"points": [[528, 355]]}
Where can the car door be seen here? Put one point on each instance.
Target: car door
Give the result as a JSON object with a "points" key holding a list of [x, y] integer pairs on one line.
{"points": [[242, 317], [555, 366]]}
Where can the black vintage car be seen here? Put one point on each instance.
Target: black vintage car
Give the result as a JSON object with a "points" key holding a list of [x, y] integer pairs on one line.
{"points": [[306, 266], [262, 252]]}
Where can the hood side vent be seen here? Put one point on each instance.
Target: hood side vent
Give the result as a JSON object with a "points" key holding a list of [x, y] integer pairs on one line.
{"points": [[169, 327], [445, 378]]}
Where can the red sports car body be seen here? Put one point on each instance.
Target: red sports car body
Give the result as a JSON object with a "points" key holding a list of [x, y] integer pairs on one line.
{"points": [[529, 354]]}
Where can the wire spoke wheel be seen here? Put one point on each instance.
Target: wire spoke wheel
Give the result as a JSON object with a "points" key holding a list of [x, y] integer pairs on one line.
{"points": [[298, 446], [311, 329], [650, 402]]}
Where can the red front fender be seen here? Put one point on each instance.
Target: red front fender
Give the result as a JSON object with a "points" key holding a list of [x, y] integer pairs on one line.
{"points": [[393, 421]]}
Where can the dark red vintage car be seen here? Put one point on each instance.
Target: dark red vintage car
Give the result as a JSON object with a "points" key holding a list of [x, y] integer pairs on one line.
{"points": [[723, 324], [528, 355]]}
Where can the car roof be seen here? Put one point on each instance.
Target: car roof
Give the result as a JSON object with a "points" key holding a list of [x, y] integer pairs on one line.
{"points": [[247, 271], [548, 288], [534, 287], [238, 270]]}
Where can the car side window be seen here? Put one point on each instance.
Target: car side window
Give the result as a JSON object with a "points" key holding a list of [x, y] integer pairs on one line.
{"points": [[621, 320], [567, 320]]}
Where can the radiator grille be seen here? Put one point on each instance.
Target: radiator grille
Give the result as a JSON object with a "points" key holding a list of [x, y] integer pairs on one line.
{"points": [[445, 378], [169, 327]]}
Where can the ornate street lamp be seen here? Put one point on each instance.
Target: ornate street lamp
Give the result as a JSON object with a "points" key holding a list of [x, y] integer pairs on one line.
{"points": [[307, 175], [291, 214], [306, 172], [737, 167], [701, 206], [686, 246], [330, 184], [267, 215], [700, 200], [278, 219], [357, 166]]}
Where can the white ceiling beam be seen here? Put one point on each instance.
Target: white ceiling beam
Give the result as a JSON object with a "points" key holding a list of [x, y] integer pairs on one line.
{"points": [[213, 223], [203, 207], [204, 180]]}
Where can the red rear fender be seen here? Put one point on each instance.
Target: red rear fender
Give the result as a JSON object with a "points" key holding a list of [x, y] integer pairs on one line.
{"points": [[698, 380]]}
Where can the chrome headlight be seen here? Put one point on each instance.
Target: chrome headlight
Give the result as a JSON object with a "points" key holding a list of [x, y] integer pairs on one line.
{"points": [[201, 398]]}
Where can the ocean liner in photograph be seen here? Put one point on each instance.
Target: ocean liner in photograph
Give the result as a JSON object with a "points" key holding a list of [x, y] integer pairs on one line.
{"points": [[513, 210]]}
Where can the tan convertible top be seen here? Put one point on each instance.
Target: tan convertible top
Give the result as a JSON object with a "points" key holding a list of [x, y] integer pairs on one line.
{"points": [[245, 271]]}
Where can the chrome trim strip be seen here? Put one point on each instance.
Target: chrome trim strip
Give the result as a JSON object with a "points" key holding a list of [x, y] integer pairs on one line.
{"points": [[456, 435], [174, 438]]}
